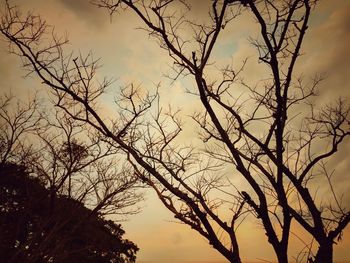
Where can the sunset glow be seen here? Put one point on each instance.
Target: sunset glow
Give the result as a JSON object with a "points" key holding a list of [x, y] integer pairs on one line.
{"points": [[129, 54]]}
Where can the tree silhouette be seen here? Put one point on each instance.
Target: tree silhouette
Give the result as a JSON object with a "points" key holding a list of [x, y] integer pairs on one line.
{"points": [[32, 232], [57, 186], [68, 157], [257, 137]]}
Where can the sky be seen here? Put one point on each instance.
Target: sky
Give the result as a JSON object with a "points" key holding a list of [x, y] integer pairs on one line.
{"points": [[126, 55]]}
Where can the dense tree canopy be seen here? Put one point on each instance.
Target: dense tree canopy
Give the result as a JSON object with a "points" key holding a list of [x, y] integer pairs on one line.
{"points": [[33, 230]]}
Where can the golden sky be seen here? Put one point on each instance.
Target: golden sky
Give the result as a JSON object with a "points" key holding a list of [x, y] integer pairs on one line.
{"points": [[127, 54]]}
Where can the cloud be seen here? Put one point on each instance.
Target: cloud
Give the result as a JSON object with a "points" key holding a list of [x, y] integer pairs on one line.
{"points": [[86, 11], [327, 50], [128, 55]]}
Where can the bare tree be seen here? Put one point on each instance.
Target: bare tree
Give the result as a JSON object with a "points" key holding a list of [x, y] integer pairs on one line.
{"points": [[72, 162], [15, 122], [71, 158], [278, 160], [76, 162]]}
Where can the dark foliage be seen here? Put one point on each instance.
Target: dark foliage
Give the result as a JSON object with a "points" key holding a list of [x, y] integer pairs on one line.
{"points": [[36, 228]]}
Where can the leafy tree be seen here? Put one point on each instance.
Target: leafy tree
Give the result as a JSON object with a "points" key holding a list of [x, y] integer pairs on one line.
{"points": [[32, 232]]}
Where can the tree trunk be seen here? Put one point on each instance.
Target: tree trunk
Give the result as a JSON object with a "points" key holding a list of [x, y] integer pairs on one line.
{"points": [[282, 257], [281, 251], [235, 259], [324, 253]]}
